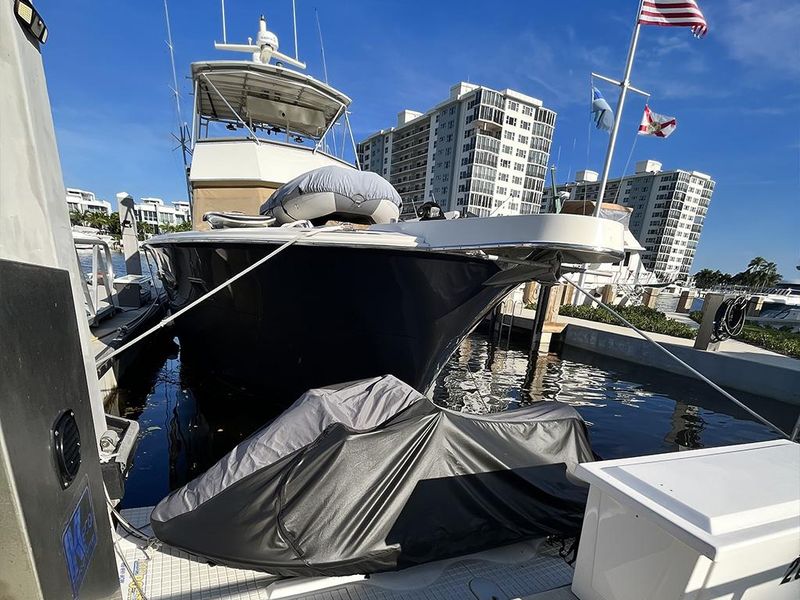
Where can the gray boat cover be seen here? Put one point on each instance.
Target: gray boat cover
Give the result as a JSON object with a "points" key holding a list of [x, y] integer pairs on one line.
{"points": [[371, 476], [359, 186]]}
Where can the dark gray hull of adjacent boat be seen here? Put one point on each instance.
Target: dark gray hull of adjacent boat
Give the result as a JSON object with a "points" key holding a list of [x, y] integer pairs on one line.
{"points": [[319, 314]]}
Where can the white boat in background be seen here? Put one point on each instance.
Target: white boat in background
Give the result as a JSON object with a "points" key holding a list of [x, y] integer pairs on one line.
{"points": [[81, 231], [628, 277], [780, 309]]}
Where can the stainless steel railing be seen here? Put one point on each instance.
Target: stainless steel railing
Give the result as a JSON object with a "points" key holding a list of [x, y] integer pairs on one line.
{"points": [[102, 270]]}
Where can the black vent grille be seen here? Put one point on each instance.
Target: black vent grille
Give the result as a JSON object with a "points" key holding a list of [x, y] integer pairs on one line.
{"points": [[67, 447]]}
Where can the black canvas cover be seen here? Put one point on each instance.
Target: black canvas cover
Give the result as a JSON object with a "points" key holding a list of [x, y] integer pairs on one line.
{"points": [[371, 476]]}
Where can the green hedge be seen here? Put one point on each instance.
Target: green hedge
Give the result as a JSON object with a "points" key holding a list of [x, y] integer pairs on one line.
{"points": [[774, 340], [646, 319], [782, 342]]}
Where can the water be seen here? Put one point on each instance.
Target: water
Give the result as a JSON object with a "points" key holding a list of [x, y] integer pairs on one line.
{"points": [[189, 420], [117, 261], [669, 303]]}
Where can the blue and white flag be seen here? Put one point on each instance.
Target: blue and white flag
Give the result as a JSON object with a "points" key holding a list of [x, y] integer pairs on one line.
{"points": [[601, 112]]}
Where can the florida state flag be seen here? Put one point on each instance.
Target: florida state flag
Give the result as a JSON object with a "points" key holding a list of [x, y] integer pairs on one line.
{"points": [[655, 124]]}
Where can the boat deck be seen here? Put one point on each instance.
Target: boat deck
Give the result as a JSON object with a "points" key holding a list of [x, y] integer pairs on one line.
{"points": [[529, 570], [111, 332]]}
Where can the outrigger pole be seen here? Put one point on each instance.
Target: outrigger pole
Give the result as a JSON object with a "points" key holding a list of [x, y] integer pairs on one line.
{"points": [[624, 86]]}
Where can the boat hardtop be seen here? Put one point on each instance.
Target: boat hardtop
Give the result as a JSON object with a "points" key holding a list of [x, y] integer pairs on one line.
{"points": [[266, 96]]}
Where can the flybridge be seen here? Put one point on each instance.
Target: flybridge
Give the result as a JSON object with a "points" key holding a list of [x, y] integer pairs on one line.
{"points": [[263, 96]]}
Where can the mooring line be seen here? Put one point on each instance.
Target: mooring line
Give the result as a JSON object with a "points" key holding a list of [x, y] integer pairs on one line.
{"points": [[305, 235], [688, 367]]}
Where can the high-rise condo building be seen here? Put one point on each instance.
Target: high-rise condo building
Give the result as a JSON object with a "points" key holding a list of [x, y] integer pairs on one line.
{"points": [[669, 209], [480, 151]]}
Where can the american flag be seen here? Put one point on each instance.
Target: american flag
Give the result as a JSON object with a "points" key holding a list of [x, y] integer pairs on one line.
{"points": [[674, 13]]}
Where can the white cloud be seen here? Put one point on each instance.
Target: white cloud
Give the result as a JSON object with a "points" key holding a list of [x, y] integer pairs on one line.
{"points": [[760, 34], [541, 60]]}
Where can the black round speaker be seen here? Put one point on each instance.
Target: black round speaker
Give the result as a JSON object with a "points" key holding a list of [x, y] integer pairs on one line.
{"points": [[67, 447]]}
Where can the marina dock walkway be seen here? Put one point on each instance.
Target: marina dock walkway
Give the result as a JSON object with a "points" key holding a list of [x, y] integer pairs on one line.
{"points": [[523, 571]]}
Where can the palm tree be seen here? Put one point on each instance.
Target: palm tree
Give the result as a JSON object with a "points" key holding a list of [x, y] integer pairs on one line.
{"points": [[113, 224], [760, 273], [145, 230], [769, 275], [75, 217], [706, 279], [756, 264], [94, 219]]}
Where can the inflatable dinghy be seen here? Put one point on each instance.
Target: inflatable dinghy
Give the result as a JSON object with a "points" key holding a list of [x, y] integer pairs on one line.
{"points": [[371, 476], [334, 193], [233, 220]]}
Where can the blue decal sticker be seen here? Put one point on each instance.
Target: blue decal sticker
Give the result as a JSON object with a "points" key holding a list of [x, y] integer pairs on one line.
{"points": [[79, 540]]}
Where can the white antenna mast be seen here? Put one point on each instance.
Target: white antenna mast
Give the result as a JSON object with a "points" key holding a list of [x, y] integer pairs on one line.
{"points": [[224, 29], [294, 25], [324, 69], [183, 138], [321, 47], [174, 87]]}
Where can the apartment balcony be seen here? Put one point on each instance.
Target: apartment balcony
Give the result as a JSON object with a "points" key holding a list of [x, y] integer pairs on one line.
{"points": [[487, 143], [412, 146], [488, 118], [406, 162], [406, 182]]}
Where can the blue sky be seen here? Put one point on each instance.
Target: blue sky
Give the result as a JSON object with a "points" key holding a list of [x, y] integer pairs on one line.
{"points": [[736, 93]]}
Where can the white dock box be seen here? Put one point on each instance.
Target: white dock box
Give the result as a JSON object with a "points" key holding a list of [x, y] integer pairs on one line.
{"points": [[716, 523]]}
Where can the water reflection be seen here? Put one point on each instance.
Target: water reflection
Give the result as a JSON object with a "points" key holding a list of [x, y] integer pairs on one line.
{"points": [[630, 409], [189, 420]]}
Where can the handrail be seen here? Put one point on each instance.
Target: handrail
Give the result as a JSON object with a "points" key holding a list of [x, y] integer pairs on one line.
{"points": [[92, 297]]}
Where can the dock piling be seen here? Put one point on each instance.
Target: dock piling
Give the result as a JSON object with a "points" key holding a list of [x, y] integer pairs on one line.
{"points": [[704, 339], [130, 235]]}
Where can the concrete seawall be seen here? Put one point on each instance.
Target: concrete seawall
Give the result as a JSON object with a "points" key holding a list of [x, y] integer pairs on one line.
{"points": [[745, 368]]}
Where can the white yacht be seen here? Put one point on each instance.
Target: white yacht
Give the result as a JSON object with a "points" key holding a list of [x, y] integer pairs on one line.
{"points": [[360, 299]]}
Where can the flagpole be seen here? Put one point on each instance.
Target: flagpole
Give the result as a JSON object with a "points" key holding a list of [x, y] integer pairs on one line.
{"points": [[625, 84]]}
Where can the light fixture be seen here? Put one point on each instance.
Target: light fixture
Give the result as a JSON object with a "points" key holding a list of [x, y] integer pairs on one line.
{"points": [[31, 19]]}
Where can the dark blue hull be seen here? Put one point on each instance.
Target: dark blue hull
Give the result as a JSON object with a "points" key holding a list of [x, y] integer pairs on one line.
{"points": [[317, 315]]}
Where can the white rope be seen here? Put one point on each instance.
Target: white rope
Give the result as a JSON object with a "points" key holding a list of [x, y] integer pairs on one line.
{"points": [[207, 295], [625, 170], [689, 368]]}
